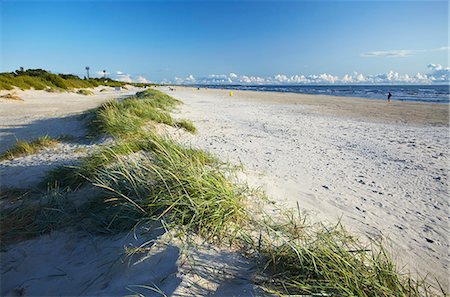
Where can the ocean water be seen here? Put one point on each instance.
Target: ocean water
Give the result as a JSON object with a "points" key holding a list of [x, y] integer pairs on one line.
{"points": [[424, 93]]}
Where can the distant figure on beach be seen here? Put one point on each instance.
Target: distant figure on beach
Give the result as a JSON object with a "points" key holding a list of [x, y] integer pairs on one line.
{"points": [[389, 97]]}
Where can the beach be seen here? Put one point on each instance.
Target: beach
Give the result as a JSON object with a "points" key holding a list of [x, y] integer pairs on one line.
{"points": [[380, 168]]}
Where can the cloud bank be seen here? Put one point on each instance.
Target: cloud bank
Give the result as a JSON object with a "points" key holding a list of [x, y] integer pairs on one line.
{"points": [[436, 74]]}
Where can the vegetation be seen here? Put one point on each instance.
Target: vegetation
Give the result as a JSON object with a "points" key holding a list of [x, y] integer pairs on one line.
{"points": [[23, 147], [85, 92], [28, 218], [315, 259], [40, 79], [187, 125], [128, 117]]}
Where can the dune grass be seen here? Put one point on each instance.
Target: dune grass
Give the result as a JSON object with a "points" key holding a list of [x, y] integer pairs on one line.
{"points": [[85, 92], [186, 125], [30, 218], [183, 186], [127, 117], [303, 258], [148, 177], [22, 147]]}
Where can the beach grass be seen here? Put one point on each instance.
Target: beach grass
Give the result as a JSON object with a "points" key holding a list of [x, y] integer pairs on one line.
{"points": [[31, 216], [23, 148], [127, 117], [183, 186], [187, 125], [301, 258], [85, 92]]}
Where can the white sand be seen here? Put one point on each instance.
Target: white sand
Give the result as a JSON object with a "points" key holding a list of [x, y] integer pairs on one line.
{"points": [[80, 264], [382, 168]]}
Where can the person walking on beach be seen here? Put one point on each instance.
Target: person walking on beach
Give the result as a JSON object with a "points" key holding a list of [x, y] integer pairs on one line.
{"points": [[389, 97]]}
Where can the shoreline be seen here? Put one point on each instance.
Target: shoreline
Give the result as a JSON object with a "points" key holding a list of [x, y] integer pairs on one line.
{"points": [[273, 89], [401, 112]]}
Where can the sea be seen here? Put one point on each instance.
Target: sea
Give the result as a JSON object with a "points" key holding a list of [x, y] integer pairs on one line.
{"points": [[422, 93]]}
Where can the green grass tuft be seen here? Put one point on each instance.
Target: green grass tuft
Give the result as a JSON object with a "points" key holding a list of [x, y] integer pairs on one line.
{"points": [[186, 125], [22, 147], [166, 181], [303, 259], [127, 117], [85, 92]]}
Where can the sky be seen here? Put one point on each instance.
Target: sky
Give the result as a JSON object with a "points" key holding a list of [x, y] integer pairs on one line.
{"points": [[283, 42]]}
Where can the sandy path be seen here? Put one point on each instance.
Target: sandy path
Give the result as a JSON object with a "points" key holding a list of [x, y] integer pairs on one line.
{"points": [[382, 168]]}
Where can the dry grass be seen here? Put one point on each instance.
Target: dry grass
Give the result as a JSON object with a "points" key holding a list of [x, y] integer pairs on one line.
{"points": [[22, 147]]}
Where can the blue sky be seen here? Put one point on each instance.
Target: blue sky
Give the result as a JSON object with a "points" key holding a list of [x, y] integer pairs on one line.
{"points": [[160, 40]]}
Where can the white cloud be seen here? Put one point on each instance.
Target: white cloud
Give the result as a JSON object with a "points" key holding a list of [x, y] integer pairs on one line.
{"points": [[100, 73], [391, 53], [124, 77], [437, 73], [442, 48], [141, 79], [402, 52], [190, 79]]}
